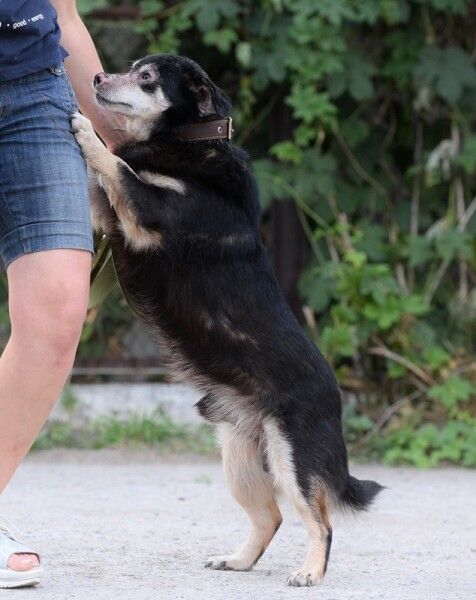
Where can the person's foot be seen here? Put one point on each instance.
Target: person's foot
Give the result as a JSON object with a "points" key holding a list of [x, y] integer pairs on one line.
{"points": [[23, 562], [19, 565]]}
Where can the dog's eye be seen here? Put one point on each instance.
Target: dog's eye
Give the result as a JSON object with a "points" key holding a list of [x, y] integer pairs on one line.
{"points": [[145, 76]]}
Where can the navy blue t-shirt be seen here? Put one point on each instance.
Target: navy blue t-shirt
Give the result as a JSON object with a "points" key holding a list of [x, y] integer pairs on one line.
{"points": [[29, 38]]}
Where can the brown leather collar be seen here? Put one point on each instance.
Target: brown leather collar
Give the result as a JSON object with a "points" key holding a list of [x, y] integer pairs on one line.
{"points": [[221, 129]]}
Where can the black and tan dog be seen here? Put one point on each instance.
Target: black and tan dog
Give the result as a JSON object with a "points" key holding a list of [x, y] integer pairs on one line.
{"points": [[180, 206]]}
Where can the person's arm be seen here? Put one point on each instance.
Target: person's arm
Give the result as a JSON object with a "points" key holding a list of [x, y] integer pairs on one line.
{"points": [[82, 64]]}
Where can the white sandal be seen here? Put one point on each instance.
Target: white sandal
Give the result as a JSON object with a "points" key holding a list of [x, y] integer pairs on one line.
{"points": [[9, 545]]}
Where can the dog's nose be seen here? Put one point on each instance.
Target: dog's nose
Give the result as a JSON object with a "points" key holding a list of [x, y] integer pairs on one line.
{"points": [[100, 78]]}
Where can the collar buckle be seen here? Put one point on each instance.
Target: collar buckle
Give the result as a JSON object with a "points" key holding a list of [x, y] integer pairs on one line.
{"points": [[230, 130]]}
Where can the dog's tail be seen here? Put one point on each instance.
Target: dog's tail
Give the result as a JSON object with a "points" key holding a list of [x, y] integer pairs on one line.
{"points": [[359, 495]]}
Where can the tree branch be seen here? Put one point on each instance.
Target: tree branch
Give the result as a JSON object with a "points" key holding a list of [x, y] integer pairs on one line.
{"points": [[416, 192], [387, 413], [433, 285], [405, 362], [378, 187]]}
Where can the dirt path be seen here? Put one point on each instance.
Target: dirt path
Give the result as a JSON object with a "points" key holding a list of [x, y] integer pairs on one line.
{"points": [[119, 526]]}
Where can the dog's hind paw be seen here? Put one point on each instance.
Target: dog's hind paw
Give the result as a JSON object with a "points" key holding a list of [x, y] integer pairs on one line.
{"points": [[227, 563], [302, 579]]}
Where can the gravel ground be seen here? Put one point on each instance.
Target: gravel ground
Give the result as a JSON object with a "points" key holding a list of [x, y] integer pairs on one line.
{"points": [[116, 526]]}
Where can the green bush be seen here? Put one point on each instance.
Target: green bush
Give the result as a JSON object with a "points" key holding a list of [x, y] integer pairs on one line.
{"points": [[380, 160], [135, 431]]}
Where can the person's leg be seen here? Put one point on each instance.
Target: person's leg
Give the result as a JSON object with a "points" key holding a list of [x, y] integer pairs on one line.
{"points": [[48, 293], [46, 244]]}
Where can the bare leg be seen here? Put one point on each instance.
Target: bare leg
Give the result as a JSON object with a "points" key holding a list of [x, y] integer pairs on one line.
{"points": [[48, 294], [252, 487]]}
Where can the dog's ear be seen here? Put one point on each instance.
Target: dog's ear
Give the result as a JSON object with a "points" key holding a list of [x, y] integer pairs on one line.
{"points": [[221, 102], [211, 100], [205, 105]]}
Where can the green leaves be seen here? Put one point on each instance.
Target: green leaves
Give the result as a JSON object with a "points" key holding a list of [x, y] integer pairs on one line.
{"points": [[452, 6], [208, 14], [435, 357], [455, 389], [339, 340], [427, 445], [395, 11], [268, 62], [389, 311], [150, 7], [243, 53], [334, 11], [318, 291], [309, 179], [221, 38], [420, 250], [86, 6], [269, 181], [355, 77], [467, 158], [449, 71], [287, 151], [377, 151], [312, 106], [452, 243]]}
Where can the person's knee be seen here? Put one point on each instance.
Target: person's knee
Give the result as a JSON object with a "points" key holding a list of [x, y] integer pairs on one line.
{"points": [[51, 323]]}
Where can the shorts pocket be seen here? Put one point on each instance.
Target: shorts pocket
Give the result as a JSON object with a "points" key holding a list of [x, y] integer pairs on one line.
{"points": [[57, 93]]}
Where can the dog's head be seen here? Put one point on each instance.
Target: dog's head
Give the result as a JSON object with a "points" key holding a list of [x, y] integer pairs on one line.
{"points": [[162, 91]]}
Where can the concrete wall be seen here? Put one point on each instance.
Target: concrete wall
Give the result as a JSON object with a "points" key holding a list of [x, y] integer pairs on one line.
{"points": [[89, 401]]}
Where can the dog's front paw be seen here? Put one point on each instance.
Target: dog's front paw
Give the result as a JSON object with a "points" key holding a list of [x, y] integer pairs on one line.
{"points": [[227, 563], [91, 146], [302, 579]]}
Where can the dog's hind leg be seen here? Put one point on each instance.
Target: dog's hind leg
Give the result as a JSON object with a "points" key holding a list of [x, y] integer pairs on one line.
{"points": [[312, 506], [253, 488], [314, 513]]}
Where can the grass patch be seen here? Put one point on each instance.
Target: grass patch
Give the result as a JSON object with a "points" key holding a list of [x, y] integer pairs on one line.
{"points": [[157, 430], [425, 446]]}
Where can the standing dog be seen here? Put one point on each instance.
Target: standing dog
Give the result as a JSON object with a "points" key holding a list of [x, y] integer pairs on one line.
{"points": [[180, 207]]}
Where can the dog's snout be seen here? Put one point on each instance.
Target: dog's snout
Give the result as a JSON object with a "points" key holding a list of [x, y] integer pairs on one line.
{"points": [[100, 78]]}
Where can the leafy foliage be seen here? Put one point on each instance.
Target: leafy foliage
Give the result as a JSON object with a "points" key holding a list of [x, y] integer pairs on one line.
{"points": [[157, 430], [381, 163]]}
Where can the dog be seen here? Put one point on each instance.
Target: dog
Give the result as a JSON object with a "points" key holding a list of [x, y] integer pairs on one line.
{"points": [[179, 204]]}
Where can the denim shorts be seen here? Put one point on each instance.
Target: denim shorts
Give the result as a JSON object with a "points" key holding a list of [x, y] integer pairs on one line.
{"points": [[43, 180]]}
